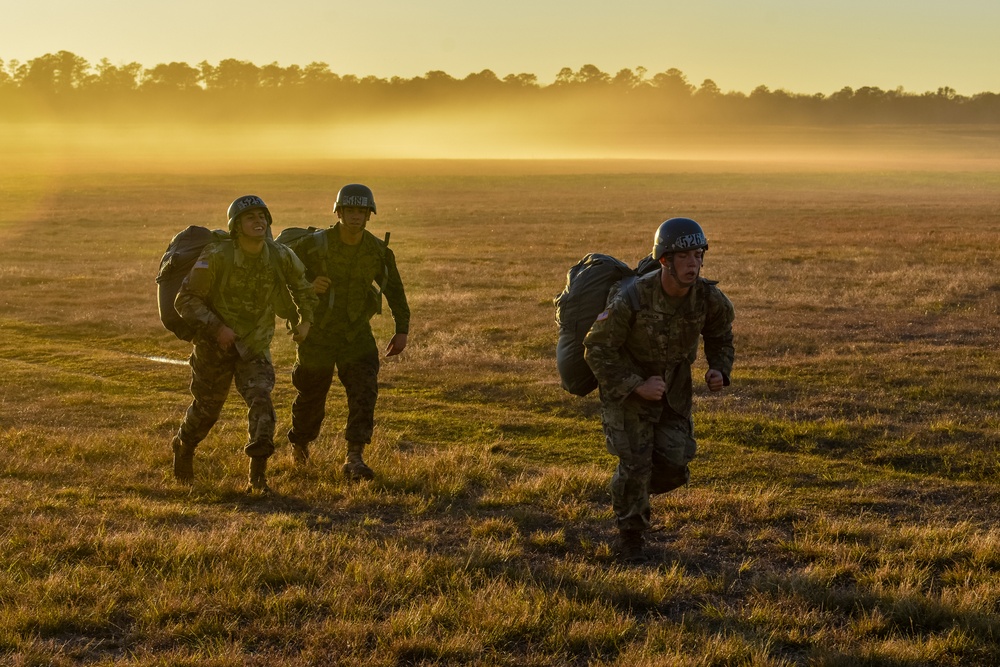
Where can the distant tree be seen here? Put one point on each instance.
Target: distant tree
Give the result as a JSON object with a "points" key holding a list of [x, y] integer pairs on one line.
{"points": [[275, 76], [673, 83], [627, 79], [522, 80], [56, 73], [116, 79], [708, 90], [231, 74], [565, 76], [482, 79], [318, 75], [591, 75], [171, 76]]}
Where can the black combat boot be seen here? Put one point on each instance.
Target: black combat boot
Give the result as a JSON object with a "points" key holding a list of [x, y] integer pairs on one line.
{"points": [[183, 461], [630, 547]]}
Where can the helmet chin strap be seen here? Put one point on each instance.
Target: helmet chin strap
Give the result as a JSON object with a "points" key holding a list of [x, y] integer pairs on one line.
{"points": [[673, 273]]}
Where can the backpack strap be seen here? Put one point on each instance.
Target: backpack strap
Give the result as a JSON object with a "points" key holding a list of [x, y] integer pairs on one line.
{"points": [[631, 292]]}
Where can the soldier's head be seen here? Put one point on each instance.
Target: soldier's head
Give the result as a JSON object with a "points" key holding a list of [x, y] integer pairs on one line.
{"points": [[355, 205], [679, 246], [245, 208]]}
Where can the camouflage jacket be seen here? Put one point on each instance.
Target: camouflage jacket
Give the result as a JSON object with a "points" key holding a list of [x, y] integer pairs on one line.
{"points": [[359, 276], [228, 286], [624, 348]]}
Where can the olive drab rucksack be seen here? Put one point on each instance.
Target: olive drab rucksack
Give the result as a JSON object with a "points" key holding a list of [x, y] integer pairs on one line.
{"points": [[178, 260], [588, 285]]}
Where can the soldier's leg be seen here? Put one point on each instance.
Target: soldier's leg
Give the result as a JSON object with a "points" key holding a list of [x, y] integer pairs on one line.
{"points": [[630, 438], [674, 448], [357, 369], [311, 377], [211, 376], [255, 382]]}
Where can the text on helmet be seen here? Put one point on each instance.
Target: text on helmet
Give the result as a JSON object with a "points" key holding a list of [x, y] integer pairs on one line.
{"points": [[247, 202], [690, 241], [355, 200]]}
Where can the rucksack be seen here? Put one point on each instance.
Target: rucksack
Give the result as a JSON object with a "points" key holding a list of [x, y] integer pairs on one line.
{"points": [[588, 285], [178, 260]]}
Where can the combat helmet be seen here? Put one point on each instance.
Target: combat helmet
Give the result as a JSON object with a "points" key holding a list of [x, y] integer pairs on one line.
{"points": [[678, 235], [242, 205], [355, 194]]}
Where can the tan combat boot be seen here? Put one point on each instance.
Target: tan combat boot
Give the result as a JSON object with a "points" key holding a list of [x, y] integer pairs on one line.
{"points": [[354, 467], [300, 453], [258, 477], [183, 461]]}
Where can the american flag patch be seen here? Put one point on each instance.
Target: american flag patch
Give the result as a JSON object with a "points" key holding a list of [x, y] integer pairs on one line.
{"points": [[201, 264], [603, 316]]}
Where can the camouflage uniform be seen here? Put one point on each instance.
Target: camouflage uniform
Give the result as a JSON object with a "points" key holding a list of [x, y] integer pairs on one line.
{"points": [[341, 336], [654, 440], [229, 287]]}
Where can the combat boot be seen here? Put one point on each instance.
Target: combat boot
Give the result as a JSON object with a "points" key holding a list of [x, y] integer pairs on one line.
{"points": [[354, 467], [300, 453], [630, 547], [258, 476], [183, 461]]}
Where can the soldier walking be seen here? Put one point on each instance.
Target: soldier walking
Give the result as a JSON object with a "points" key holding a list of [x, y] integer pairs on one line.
{"points": [[228, 297], [350, 269], [642, 360]]}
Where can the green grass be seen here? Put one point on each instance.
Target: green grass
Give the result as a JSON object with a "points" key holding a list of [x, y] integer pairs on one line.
{"points": [[842, 504]]}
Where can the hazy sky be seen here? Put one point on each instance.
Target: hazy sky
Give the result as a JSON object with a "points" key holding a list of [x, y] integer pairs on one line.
{"points": [[803, 46]]}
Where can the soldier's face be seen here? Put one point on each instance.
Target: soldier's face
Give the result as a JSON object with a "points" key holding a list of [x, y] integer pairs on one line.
{"points": [[354, 217], [253, 224], [685, 266]]}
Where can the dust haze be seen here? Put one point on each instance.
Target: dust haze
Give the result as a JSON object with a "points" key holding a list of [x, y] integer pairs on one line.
{"points": [[48, 147]]}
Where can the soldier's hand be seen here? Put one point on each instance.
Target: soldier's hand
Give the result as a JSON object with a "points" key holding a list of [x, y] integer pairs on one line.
{"points": [[225, 337], [652, 389], [714, 380], [300, 332], [396, 345], [321, 284]]}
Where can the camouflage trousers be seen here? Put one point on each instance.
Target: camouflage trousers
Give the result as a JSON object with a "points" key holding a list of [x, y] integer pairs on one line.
{"points": [[212, 373], [357, 365], [653, 457]]}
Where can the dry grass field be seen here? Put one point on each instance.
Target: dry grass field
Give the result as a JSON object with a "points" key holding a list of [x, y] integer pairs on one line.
{"points": [[843, 506]]}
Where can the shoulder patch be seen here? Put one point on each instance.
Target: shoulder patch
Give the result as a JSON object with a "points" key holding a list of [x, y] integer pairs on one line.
{"points": [[603, 316], [201, 264]]}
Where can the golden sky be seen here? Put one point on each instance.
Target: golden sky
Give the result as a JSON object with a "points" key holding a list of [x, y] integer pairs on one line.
{"points": [[802, 46]]}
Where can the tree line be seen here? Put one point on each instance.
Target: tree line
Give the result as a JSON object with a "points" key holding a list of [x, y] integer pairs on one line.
{"points": [[64, 86]]}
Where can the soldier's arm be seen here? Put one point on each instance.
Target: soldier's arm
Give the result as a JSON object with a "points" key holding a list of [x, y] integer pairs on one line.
{"points": [[604, 350], [395, 295], [299, 286], [718, 334], [193, 301]]}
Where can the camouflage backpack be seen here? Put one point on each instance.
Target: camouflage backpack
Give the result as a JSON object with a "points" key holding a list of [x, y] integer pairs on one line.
{"points": [[589, 285], [178, 260]]}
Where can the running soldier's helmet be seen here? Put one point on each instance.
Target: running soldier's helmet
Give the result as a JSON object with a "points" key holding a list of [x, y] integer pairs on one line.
{"points": [[678, 235], [242, 205], [355, 194]]}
